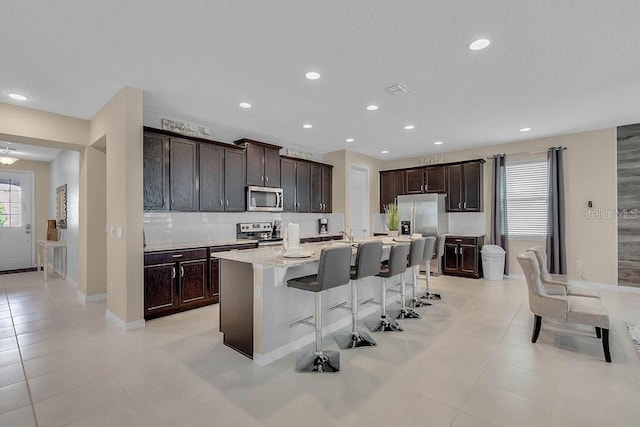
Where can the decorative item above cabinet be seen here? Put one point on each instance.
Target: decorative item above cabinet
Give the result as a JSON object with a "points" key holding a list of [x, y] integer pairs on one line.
{"points": [[263, 163]]}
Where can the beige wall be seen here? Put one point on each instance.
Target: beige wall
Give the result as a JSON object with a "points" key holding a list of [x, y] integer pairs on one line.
{"points": [[590, 174], [41, 171], [119, 123]]}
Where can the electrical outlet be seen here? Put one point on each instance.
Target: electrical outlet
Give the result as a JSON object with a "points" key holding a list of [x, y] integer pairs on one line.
{"points": [[578, 264], [112, 232], [119, 232]]}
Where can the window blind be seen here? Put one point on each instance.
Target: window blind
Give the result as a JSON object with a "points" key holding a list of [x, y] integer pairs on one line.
{"points": [[527, 189]]}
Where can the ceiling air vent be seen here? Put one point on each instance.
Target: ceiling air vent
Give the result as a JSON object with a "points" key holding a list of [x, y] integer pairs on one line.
{"points": [[398, 89]]}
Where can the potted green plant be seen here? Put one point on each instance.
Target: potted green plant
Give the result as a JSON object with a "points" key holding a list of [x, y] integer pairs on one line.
{"points": [[393, 218]]}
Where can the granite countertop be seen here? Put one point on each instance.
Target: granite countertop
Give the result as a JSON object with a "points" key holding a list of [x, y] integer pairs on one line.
{"points": [[463, 234], [170, 246]]}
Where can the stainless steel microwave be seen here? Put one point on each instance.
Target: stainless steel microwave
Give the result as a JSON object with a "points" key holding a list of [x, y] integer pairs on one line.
{"points": [[265, 199]]}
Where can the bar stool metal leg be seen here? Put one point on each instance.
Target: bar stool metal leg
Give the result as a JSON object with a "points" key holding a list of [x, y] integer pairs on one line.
{"points": [[385, 324], [318, 360], [406, 312], [417, 302], [354, 339]]}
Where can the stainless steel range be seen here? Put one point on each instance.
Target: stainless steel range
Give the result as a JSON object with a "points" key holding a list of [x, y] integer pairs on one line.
{"points": [[263, 232]]}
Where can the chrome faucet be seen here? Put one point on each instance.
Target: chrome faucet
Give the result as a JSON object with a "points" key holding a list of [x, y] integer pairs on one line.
{"points": [[349, 236]]}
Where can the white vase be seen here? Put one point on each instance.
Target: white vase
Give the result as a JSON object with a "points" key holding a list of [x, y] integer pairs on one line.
{"points": [[393, 233]]}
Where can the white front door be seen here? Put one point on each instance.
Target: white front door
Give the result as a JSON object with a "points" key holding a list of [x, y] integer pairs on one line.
{"points": [[359, 201], [16, 239]]}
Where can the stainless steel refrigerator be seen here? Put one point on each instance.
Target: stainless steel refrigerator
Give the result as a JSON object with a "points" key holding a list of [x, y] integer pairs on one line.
{"points": [[427, 215]]}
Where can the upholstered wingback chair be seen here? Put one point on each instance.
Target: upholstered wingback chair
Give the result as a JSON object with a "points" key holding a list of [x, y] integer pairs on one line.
{"points": [[558, 284], [576, 309]]}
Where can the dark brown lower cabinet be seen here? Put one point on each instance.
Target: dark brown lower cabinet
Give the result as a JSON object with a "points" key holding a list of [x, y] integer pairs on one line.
{"points": [[175, 281], [462, 256]]}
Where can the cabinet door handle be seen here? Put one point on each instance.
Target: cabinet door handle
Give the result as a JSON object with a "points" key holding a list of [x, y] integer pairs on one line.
{"points": [[465, 205], [221, 204], [459, 207], [181, 271], [262, 178], [266, 178], [173, 272], [227, 202], [177, 256]]}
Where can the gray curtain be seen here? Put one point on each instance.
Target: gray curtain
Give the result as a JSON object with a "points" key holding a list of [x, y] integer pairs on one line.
{"points": [[499, 229], [556, 231]]}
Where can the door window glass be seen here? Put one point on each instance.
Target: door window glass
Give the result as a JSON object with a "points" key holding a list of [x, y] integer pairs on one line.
{"points": [[10, 202]]}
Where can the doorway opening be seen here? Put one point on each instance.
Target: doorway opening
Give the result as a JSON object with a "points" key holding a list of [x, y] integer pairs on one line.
{"points": [[17, 245]]}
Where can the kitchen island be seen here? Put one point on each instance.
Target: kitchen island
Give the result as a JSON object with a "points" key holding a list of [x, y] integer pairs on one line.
{"points": [[257, 307]]}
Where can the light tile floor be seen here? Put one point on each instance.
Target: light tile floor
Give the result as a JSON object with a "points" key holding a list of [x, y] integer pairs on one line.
{"points": [[468, 362]]}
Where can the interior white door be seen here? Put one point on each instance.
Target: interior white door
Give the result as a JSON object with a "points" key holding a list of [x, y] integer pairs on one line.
{"points": [[359, 201], [16, 239]]}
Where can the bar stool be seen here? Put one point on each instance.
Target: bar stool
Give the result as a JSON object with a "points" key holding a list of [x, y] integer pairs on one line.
{"points": [[397, 265], [429, 243], [416, 253], [333, 270], [367, 264], [437, 255]]}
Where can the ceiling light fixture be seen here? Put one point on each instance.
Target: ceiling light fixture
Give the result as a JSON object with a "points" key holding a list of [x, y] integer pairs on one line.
{"points": [[244, 105], [479, 44], [5, 159], [312, 75], [372, 107], [18, 96], [438, 143], [525, 129], [349, 140], [307, 126], [384, 152], [409, 127]]}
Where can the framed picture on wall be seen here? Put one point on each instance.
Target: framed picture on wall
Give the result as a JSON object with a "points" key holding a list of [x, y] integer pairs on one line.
{"points": [[61, 207]]}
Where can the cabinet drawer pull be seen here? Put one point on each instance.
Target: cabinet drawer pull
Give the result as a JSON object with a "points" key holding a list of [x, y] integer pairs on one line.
{"points": [[177, 256], [458, 240], [173, 272], [181, 271]]}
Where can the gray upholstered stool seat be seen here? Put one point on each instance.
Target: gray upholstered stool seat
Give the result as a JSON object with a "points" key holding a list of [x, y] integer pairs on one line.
{"points": [[427, 255], [334, 269], [588, 311], [416, 253], [558, 284], [397, 265], [367, 264]]}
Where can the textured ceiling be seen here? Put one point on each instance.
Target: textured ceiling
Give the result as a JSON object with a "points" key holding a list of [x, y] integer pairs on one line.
{"points": [[555, 66]]}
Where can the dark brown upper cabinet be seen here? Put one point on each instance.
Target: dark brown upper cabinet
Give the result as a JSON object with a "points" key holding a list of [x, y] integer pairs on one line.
{"points": [[464, 187], [192, 174], [155, 172], [303, 187], [430, 179], [392, 184], [263, 163], [288, 182], [321, 191], [183, 176]]}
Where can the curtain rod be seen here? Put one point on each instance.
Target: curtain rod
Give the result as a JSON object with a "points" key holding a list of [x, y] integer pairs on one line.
{"points": [[529, 152]]}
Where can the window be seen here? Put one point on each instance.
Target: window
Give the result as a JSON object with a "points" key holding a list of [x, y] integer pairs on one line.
{"points": [[10, 203], [527, 191]]}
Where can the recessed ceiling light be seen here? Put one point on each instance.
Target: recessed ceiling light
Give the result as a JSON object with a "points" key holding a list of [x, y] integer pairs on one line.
{"points": [[525, 129], [312, 75], [307, 126], [349, 140], [438, 143], [18, 96], [384, 152], [409, 127], [244, 105], [372, 107], [479, 44]]}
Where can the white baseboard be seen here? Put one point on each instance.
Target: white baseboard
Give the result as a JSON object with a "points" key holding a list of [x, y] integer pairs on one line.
{"points": [[91, 298], [136, 324]]}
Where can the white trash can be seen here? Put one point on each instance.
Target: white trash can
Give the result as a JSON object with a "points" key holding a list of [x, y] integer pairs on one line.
{"points": [[493, 262]]}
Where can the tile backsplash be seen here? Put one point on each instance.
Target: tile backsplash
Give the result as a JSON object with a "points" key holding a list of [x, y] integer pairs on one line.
{"points": [[468, 222], [184, 227]]}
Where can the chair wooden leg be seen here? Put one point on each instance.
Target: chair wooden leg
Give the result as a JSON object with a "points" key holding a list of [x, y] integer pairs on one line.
{"points": [[605, 344], [598, 332], [536, 328]]}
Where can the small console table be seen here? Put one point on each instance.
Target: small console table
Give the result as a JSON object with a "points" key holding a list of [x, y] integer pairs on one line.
{"points": [[43, 248]]}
